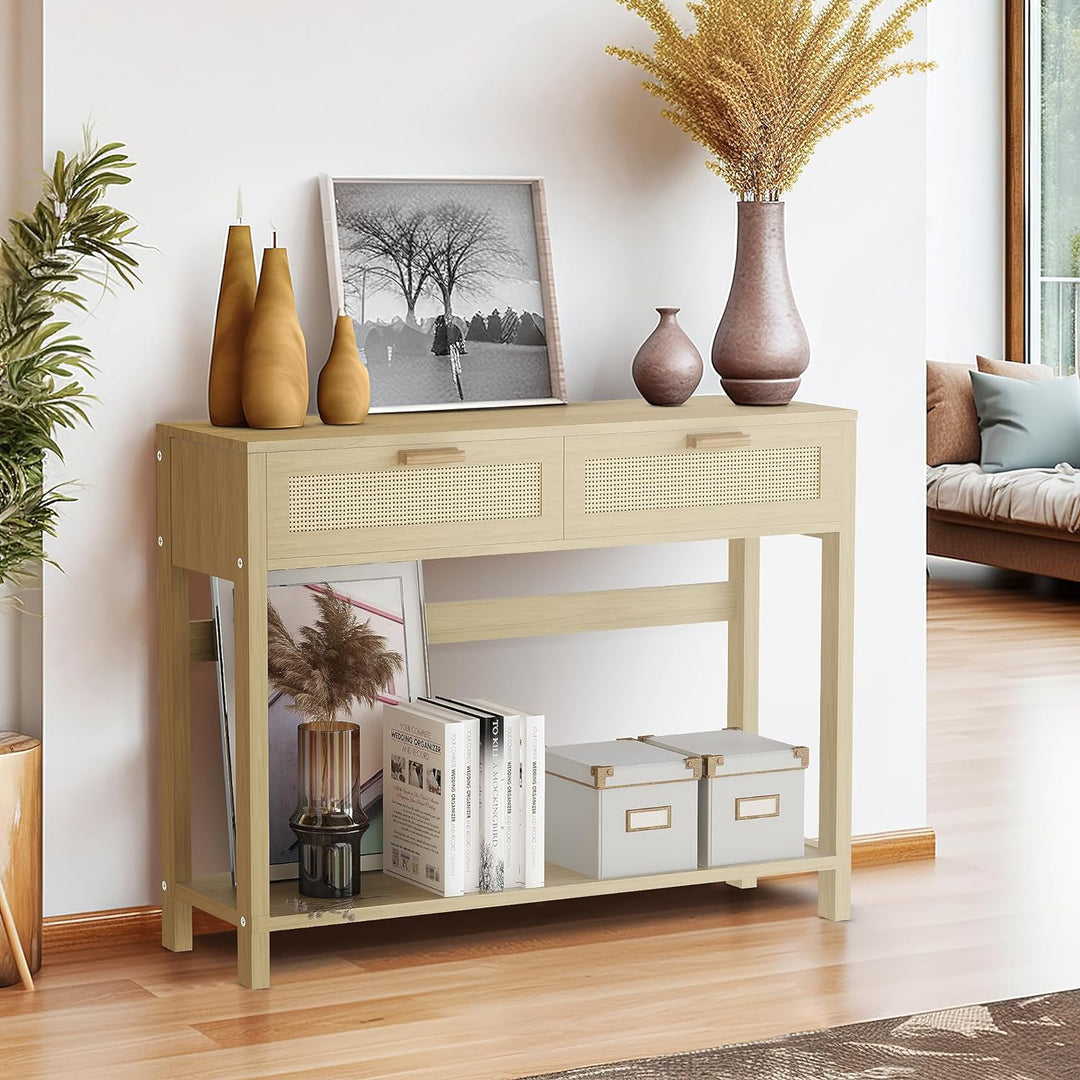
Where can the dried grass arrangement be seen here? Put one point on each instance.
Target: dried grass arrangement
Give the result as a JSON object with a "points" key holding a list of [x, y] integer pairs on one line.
{"points": [[760, 83], [337, 661]]}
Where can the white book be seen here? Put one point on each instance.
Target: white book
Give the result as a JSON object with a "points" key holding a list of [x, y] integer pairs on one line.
{"points": [[470, 783], [493, 781], [423, 818], [513, 824], [532, 793]]}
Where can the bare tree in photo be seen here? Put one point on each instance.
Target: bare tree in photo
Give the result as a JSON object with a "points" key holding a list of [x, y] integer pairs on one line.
{"points": [[467, 251], [393, 250]]}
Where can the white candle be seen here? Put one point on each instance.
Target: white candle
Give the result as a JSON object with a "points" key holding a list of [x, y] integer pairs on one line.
{"points": [[239, 205]]}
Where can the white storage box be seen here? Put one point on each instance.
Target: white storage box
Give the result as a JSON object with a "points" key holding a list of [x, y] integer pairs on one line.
{"points": [[750, 804], [623, 808]]}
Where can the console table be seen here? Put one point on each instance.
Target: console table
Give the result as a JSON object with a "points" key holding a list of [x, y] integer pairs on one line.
{"points": [[236, 503]]}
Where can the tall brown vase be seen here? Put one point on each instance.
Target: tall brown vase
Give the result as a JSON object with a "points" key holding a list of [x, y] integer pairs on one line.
{"points": [[344, 387], [236, 300], [275, 375], [760, 349]]}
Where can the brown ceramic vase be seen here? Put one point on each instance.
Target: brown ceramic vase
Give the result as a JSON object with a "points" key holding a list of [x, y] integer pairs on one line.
{"points": [[236, 300], [667, 367], [275, 374], [344, 386], [760, 349]]}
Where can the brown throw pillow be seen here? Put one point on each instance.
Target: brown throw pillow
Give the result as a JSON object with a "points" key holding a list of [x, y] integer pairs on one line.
{"points": [[952, 425], [1012, 370]]}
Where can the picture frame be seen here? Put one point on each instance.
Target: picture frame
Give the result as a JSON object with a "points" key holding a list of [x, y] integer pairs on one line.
{"points": [[450, 285], [391, 597]]}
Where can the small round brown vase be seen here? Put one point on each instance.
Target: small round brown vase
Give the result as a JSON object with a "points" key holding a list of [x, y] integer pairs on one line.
{"points": [[275, 376], [344, 385], [236, 301], [667, 367], [760, 349]]}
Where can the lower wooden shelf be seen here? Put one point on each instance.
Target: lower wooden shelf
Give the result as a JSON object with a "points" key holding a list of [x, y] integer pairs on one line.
{"points": [[386, 897]]}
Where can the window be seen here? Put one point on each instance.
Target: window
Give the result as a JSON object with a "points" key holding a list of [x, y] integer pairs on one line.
{"points": [[1043, 186]]}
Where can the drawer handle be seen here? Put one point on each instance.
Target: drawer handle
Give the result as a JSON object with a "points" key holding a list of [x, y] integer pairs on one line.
{"points": [[430, 455], [717, 440]]}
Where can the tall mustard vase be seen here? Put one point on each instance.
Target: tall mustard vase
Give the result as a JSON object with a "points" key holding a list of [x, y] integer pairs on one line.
{"points": [[344, 385], [236, 301], [275, 375]]}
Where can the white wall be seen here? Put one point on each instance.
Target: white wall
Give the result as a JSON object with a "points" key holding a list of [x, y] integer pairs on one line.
{"points": [[269, 94], [965, 181]]}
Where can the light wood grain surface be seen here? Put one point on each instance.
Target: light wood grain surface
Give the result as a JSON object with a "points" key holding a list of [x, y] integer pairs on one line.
{"points": [[20, 858], [502, 994], [584, 418]]}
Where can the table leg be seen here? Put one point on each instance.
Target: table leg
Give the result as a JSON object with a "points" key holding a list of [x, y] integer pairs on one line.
{"points": [[744, 573], [837, 646], [252, 743], [174, 707]]}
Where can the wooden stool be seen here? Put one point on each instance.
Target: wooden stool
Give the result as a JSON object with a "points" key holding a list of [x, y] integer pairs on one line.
{"points": [[20, 858]]}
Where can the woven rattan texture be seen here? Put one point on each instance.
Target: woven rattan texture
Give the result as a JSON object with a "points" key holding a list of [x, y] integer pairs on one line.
{"points": [[422, 496], [702, 478]]}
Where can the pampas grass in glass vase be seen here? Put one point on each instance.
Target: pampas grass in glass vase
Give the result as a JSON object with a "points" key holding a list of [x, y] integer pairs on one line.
{"points": [[325, 669]]}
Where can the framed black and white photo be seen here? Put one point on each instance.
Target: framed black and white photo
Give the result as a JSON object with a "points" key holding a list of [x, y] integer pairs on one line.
{"points": [[449, 286], [389, 598]]}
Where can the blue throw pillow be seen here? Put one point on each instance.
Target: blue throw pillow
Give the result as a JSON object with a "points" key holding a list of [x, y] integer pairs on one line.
{"points": [[1027, 425]]}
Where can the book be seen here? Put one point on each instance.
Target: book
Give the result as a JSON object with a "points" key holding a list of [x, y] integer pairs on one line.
{"points": [[493, 781], [533, 794], [423, 822], [470, 783]]}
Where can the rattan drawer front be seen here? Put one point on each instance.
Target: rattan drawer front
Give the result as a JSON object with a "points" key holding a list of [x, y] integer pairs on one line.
{"points": [[388, 498], [334, 502], [663, 483]]}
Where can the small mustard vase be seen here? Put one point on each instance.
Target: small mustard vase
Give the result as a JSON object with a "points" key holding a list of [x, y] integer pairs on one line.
{"points": [[236, 300], [344, 385], [275, 375]]}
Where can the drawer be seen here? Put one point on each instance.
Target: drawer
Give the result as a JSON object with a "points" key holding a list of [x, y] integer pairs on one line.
{"points": [[710, 477], [420, 496]]}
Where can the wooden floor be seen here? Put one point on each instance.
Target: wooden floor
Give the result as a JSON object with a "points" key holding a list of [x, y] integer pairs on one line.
{"points": [[519, 991]]}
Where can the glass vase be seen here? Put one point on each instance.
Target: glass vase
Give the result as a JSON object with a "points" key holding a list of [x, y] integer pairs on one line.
{"points": [[328, 821]]}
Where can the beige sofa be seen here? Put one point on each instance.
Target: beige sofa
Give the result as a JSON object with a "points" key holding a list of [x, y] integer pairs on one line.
{"points": [[1026, 520]]}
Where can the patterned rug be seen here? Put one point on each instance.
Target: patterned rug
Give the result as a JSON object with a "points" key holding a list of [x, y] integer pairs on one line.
{"points": [[1029, 1039]]}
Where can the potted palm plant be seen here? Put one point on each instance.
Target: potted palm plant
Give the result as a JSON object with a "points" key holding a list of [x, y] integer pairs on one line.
{"points": [[759, 85], [324, 669], [50, 259], [71, 240]]}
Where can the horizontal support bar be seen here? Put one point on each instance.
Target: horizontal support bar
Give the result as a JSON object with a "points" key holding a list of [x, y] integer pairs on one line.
{"points": [[202, 641], [575, 613]]}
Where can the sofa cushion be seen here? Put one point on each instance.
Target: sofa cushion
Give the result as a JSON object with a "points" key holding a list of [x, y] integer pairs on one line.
{"points": [[1027, 424], [1013, 370], [952, 425]]}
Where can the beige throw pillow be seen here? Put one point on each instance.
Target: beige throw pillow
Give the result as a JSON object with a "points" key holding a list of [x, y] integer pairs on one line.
{"points": [[1012, 370]]}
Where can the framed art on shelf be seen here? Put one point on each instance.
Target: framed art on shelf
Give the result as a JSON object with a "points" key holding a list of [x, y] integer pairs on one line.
{"points": [[388, 599], [449, 284]]}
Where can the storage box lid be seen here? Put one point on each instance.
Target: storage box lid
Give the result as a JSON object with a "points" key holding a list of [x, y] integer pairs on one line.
{"points": [[622, 763], [731, 751]]}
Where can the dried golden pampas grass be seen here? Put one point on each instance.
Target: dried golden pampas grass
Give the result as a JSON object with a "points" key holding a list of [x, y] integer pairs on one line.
{"points": [[335, 662], [760, 83]]}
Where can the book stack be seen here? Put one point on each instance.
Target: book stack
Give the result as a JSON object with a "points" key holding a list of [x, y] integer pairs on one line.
{"points": [[463, 795]]}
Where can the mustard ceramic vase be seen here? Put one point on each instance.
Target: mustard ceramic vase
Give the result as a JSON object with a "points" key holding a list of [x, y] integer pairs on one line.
{"points": [[344, 385], [236, 299], [275, 375]]}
